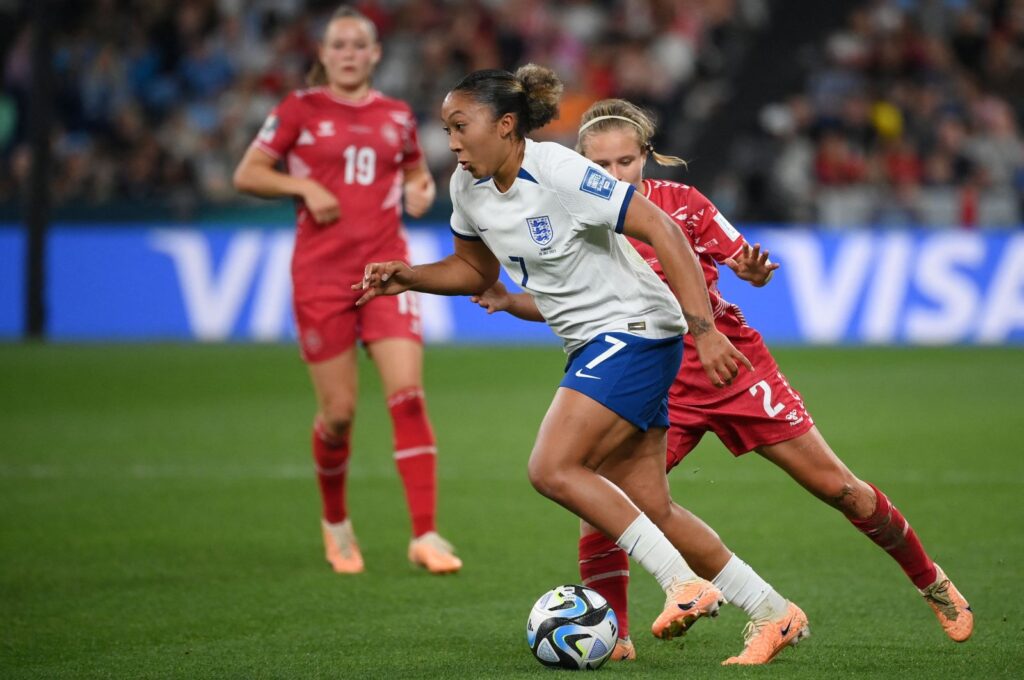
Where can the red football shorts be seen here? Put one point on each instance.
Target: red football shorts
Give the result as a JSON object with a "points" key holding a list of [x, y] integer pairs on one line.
{"points": [[769, 412], [329, 326]]}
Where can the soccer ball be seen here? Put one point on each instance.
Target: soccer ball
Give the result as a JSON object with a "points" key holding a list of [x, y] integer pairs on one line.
{"points": [[572, 627]]}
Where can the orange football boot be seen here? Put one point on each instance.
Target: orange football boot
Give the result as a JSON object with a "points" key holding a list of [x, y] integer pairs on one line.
{"points": [[685, 603], [624, 650], [434, 554], [764, 639], [950, 607], [340, 547]]}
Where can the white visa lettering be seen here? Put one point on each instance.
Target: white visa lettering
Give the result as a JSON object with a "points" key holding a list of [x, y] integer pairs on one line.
{"points": [[212, 301], [824, 301], [939, 277], [1004, 311], [886, 296]]}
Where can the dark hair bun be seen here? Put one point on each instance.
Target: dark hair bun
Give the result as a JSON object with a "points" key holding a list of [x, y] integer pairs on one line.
{"points": [[543, 90]]}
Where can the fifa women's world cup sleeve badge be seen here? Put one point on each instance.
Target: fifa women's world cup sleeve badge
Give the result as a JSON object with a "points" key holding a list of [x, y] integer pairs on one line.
{"points": [[598, 184], [541, 230]]}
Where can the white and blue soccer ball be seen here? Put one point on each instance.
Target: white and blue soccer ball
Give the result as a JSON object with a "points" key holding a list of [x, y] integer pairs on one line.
{"points": [[572, 627]]}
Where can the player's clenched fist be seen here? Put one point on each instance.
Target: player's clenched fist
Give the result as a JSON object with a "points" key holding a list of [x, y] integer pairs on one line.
{"points": [[384, 278]]}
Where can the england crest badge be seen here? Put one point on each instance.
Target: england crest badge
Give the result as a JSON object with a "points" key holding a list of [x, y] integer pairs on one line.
{"points": [[541, 230]]}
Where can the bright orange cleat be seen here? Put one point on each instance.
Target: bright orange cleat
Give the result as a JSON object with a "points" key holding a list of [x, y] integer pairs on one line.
{"points": [[434, 554], [686, 602], [624, 650], [765, 639], [950, 607], [340, 547]]}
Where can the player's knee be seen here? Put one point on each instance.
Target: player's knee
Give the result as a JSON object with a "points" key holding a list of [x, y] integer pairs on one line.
{"points": [[850, 496], [336, 419], [547, 479]]}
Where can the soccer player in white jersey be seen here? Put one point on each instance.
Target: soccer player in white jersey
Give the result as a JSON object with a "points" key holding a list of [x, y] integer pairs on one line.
{"points": [[759, 411], [554, 220]]}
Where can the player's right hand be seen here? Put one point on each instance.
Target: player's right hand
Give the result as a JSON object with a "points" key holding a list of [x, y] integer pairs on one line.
{"points": [[720, 359], [384, 278], [494, 299], [321, 203]]}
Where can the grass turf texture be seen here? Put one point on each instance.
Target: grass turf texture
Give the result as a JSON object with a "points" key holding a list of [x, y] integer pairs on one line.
{"points": [[158, 518]]}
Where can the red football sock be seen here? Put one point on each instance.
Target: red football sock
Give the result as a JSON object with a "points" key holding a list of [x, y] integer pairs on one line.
{"points": [[891, 532], [604, 567], [415, 456], [331, 456]]}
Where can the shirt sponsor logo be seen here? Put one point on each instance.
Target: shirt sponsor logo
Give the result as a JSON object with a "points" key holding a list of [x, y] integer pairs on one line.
{"points": [[541, 230], [597, 183]]}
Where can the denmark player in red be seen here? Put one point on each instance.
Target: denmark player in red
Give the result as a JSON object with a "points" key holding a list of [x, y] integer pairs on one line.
{"points": [[350, 156], [758, 411]]}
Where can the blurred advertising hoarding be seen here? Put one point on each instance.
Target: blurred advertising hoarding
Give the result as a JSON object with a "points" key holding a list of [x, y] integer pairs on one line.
{"points": [[150, 283]]}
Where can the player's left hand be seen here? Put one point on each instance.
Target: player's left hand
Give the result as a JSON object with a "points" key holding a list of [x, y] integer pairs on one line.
{"points": [[720, 359], [753, 265], [419, 195], [384, 278]]}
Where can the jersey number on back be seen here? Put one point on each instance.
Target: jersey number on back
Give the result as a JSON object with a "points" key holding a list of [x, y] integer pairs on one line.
{"points": [[360, 165]]}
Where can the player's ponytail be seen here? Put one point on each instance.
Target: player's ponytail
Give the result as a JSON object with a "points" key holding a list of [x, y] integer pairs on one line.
{"points": [[532, 94], [619, 114], [317, 74]]}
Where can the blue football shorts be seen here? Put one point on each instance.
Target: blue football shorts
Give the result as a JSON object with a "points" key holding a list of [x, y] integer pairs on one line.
{"points": [[628, 374]]}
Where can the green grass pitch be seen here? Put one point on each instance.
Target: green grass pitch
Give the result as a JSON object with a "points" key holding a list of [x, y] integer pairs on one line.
{"points": [[158, 518]]}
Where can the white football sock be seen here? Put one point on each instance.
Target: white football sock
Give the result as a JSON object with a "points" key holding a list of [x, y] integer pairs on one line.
{"points": [[741, 586], [644, 542]]}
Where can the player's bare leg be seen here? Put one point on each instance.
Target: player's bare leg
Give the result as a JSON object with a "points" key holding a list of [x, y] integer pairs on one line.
{"points": [[721, 570], [637, 467], [577, 433], [400, 364], [810, 461], [335, 381]]}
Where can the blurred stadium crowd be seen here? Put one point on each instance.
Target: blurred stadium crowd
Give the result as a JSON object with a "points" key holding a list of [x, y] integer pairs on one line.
{"points": [[908, 114]]}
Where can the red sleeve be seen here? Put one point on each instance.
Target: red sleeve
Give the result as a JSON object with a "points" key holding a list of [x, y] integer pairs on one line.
{"points": [[281, 129], [411, 152], [712, 231]]}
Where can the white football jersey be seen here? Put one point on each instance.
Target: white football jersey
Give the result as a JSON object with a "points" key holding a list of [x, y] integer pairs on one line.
{"points": [[557, 231]]}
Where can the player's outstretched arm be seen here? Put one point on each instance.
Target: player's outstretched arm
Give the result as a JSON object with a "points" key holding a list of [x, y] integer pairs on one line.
{"points": [[498, 299], [646, 222], [470, 270], [752, 265]]}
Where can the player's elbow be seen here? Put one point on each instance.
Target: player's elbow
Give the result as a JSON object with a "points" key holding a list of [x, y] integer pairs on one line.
{"points": [[242, 180], [487, 277]]}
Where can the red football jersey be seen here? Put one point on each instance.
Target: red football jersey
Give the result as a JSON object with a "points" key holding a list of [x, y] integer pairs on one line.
{"points": [[357, 151], [714, 240]]}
